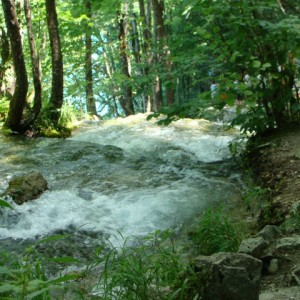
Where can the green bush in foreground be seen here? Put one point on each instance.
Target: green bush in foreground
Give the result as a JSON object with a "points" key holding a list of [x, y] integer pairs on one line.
{"points": [[215, 232]]}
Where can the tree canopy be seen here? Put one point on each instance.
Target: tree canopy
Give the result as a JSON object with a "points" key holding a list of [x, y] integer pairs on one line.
{"points": [[116, 58]]}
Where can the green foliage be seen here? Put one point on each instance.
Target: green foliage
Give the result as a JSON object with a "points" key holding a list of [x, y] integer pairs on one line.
{"points": [[150, 269], [68, 121], [3, 203], [216, 232], [26, 277], [292, 224], [256, 196], [196, 108], [254, 121]]}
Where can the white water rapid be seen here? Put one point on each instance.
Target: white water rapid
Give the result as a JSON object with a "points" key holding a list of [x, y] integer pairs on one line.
{"points": [[128, 175]]}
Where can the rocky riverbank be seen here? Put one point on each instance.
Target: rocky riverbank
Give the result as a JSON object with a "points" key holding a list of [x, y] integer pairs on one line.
{"points": [[275, 163]]}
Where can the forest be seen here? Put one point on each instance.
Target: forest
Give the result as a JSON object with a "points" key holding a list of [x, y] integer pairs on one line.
{"points": [[118, 58], [84, 85]]}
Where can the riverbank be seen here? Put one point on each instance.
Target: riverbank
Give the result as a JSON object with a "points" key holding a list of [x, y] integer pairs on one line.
{"points": [[274, 161]]}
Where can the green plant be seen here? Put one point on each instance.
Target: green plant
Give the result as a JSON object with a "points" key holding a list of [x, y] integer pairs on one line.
{"points": [[3, 203], [292, 224], [254, 121], [256, 196], [153, 269], [216, 232], [26, 277]]}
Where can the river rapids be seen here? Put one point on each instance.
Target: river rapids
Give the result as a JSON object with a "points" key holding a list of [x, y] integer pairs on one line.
{"points": [[127, 176]]}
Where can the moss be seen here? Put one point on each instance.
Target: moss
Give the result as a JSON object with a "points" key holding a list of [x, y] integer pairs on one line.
{"points": [[55, 133]]}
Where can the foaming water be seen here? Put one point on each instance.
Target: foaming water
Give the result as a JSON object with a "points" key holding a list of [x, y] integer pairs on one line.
{"points": [[127, 175]]}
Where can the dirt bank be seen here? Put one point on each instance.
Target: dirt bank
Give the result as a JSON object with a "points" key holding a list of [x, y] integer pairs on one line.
{"points": [[275, 163]]}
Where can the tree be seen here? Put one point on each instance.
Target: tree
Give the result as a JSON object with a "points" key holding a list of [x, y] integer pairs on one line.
{"points": [[127, 99], [5, 56], [145, 20], [17, 103], [56, 98], [35, 65], [158, 10], [90, 100]]}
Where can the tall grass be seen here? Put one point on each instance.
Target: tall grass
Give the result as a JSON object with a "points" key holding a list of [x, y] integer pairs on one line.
{"points": [[216, 232], [151, 270]]}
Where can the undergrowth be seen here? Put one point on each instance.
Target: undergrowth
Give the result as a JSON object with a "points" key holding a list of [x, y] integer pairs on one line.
{"points": [[148, 268], [216, 232], [141, 268]]}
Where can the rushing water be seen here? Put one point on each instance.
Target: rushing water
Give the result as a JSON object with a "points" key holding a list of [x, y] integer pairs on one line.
{"points": [[127, 175]]}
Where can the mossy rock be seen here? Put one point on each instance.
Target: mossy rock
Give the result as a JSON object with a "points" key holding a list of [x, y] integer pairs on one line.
{"points": [[26, 187]]}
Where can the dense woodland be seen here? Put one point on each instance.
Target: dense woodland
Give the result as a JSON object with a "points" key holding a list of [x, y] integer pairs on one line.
{"points": [[119, 57]]}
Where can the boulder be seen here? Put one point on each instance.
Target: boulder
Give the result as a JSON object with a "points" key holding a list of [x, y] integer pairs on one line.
{"points": [[270, 233], [261, 244], [288, 243], [256, 246], [26, 187], [229, 276]]}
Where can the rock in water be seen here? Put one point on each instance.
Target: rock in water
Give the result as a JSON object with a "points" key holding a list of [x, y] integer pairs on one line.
{"points": [[26, 187]]}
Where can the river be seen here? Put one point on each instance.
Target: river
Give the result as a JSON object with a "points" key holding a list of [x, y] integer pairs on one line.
{"points": [[126, 176]]}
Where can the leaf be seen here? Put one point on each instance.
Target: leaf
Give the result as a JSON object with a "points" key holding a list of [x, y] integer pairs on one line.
{"points": [[34, 284], [5, 270], [64, 278], [7, 288], [266, 66], [5, 204], [36, 293], [256, 64], [53, 238]]}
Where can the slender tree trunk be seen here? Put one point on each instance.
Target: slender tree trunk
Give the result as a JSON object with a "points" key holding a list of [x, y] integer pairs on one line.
{"points": [[109, 69], [135, 40], [157, 85], [18, 100], [146, 49], [5, 55], [56, 98], [127, 103], [90, 99], [35, 61], [158, 9]]}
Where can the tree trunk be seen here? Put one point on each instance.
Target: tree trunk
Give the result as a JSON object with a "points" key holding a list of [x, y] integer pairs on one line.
{"points": [[36, 68], [146, 49], [5, 55], [90, 99], [127, 102], [157, 85], [158, 9], [109, 69], [56, 98], [18, 100]]}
